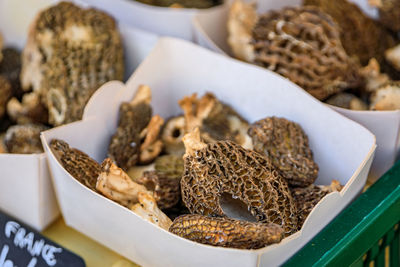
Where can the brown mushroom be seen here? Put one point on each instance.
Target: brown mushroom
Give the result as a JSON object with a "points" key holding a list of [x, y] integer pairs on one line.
{"points": [[306, 198], [226, 232], [389, 13], [172, 134], [286, 146], [347, 100], [134, 117], [216, 120], [81, 166], [116, 185], [70, 53], [224, 179], [147, 209], [24, 139], [29, 110], [303, 44], [387, 97]]}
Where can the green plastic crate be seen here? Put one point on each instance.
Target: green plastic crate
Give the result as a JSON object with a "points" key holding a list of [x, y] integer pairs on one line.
{"points": [[366, 233]]}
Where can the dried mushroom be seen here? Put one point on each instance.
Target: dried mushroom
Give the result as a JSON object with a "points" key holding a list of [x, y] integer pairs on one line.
{"points": [[226, 232], [373, 76], [389, 13], [152, 144], [29, 110], [172, 134], [24, 139], [82, 167], [285, 144], [386, 97], [216, 120], [347, 100], [392, 55], [10, 67], [5, 94], [306, 198], [361, 36], [183, 3], [134, 116], [116, 185], [165, 180], [241, 21], [223, 171], [70, 53], [303, 44], [148, 210]]}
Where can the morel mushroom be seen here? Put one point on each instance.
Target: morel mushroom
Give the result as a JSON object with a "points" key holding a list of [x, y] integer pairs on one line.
{"points": [[392, 55], [134, 117], [373, 76], [116, 185], [347, 100], [152, 144], [285, 144], [224, 179], [361, 36], [226, 232], [82, 167], [29, 110], [165, 180], [147, 209], [5, 94], [70, 53], [216, 120], [303, 45], [386, 97], [241, 21], [10, 68], [306, 198], [389, 13], [172, 134], [24, 139]]}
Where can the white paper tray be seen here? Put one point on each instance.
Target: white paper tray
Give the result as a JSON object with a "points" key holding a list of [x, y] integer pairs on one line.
{"points": [[175, 22], [211, 32], [175, 68], [25, 186]]}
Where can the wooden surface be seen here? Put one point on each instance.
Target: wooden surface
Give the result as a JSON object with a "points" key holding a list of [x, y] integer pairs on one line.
{"points": [[94, 254]]}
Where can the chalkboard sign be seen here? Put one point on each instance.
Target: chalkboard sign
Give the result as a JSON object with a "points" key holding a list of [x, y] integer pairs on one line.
{"points": [[21, 246]]}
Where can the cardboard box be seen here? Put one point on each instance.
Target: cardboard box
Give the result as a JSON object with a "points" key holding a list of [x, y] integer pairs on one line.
{"points": [[26, 191], [342, 148], [211, 32], [175, 22]]}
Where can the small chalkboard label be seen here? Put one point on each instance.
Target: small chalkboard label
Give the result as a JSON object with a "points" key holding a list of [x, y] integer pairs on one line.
{"points": [[21, 246]]}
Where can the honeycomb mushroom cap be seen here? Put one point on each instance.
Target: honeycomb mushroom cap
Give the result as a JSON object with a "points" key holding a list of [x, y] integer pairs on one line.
{"points": [[226, 232], [24, 139], [303, 45], [134, 116], [386, 97], [361, 36], [70, 53], [286, 146], [165, 180], [223, 170], [82, 167], [308, 197]]}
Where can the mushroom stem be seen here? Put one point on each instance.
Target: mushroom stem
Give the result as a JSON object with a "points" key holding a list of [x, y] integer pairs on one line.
{"points": [[193, 142], [143, 94]]}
